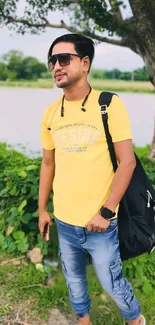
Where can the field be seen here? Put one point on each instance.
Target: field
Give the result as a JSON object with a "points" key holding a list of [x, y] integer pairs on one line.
{"points": [[123, 86], [111, 85]]}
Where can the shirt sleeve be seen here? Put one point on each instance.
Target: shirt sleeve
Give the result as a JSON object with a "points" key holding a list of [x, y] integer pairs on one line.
{"points": [[46, 136], [118, 120]]}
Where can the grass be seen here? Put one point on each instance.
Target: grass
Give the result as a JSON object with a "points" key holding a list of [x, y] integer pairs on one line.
{"points": [[24, 284], [123, 86], [111, 85], [28, 84]]}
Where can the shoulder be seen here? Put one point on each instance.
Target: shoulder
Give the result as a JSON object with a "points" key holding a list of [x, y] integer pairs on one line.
{"points": [[116, 104], [51, 108], [115, 99]]}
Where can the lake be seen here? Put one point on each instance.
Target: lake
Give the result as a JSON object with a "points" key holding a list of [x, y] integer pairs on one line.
{"points": [[21, 111]]}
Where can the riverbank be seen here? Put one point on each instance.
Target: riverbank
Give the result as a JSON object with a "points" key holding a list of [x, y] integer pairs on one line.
{"points": [[110, 85]]}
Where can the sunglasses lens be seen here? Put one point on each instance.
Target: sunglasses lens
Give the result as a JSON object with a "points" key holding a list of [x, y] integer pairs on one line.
{"points": [[51, 62], [64, 59]]}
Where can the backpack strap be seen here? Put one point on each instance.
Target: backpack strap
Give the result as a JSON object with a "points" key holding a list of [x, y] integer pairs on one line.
{"points": [[104, 100]]}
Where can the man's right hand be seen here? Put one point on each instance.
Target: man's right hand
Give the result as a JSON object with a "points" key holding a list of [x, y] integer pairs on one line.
{"points": [[44, 219]]}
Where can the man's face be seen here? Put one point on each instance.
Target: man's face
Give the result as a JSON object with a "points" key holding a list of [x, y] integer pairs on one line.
{"points": [[65, 76]]}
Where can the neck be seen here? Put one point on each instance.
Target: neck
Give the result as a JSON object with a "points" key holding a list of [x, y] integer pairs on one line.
{"points": [[76, 92]]}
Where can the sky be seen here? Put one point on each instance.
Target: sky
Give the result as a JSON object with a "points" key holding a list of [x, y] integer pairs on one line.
{"points": [[106, 56]]}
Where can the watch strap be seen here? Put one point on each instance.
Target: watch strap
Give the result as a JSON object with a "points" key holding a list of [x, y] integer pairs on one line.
{"points": [[107, 213]]}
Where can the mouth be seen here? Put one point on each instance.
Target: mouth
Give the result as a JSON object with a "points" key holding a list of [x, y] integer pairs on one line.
{"points": [[59, 77]]}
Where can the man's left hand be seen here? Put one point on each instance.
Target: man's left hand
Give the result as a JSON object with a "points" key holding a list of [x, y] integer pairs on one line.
{"points": [[97, 223]]}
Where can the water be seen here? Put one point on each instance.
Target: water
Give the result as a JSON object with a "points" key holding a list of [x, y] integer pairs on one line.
{"points": [[21, 111]]}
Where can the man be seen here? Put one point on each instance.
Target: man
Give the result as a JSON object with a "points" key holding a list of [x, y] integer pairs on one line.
{"points": [[77, 165]]}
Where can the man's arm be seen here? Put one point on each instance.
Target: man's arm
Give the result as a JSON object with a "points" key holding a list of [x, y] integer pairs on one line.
{"points": [[45, 186], [127, 163]]}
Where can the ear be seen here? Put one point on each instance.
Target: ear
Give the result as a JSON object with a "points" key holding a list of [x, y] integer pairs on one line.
{"points": [[86, 64]]}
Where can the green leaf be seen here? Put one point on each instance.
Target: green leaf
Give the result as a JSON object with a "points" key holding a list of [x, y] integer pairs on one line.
{"points": [[34, 190], [24, 190], [4, 191], [26, 218], [33, 225], [22, 205], [31, 167], [147, 289], [2, 239], [14, 191], [18, 235], [12, 247], [14, 212], [23, 245], [22, 174], [36, 214]]}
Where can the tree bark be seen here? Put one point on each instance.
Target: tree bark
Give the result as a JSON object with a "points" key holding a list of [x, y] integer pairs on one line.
{"points": [[152, 150], [144, 14]]}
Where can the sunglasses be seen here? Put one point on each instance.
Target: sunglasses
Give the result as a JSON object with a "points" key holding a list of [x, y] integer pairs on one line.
{"points": [[63, 59]]}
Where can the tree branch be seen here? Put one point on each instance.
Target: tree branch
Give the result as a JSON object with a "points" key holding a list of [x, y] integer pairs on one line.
{"points": [[124, 41], [116, 8], [121, 42], [47, 24]]}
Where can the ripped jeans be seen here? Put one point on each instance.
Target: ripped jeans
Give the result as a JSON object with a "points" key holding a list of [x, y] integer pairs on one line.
{"points": [[74, 243]]}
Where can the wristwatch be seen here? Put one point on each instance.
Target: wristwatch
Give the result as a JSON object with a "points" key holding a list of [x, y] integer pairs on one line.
{"points": [[106, 213]]}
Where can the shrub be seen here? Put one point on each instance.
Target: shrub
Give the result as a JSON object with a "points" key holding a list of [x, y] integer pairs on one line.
{"points": [[19, 180]]}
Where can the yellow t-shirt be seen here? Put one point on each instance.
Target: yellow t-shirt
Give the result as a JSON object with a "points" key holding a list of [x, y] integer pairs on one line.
{"points": [[84, 172]]}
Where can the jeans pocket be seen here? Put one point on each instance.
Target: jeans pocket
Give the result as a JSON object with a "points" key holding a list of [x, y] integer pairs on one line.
{"points": [[112, 225], [116, 274]]}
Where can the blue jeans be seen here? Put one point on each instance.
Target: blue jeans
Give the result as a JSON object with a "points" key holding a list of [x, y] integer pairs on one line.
{"points": [[74, 243]]}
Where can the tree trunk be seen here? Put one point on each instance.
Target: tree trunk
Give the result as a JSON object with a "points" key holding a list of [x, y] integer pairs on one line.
{"points": [[150, 68], [144, 15], [152, 150]]}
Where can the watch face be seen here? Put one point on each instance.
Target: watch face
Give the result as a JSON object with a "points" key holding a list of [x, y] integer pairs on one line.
{"points": [[106, 213]]}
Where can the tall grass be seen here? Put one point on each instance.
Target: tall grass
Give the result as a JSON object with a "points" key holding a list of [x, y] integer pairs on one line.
{"points": [[110, 85]]}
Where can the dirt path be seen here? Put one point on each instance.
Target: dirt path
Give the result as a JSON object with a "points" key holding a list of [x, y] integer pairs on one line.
{"points": [[57, 318], [18, 316]]}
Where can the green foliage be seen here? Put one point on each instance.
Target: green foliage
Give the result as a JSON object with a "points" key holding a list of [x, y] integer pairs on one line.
{"points": [[137, 75], [88, 16], [3, 71], [19, 178], [142, 152], [18, 67], [141, 271]]}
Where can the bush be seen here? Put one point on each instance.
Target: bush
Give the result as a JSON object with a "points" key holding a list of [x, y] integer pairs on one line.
{"points": [[19, 180]]}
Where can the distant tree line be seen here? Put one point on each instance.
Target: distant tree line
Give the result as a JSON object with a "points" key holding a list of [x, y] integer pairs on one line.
{"points": [[138, 74], [15, 66]]}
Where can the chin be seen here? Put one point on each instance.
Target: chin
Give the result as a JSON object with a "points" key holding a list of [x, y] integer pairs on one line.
{"points": [[63, 85]]}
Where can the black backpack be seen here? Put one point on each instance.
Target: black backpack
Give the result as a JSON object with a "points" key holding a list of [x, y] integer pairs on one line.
{"points": [[136, 214]]}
